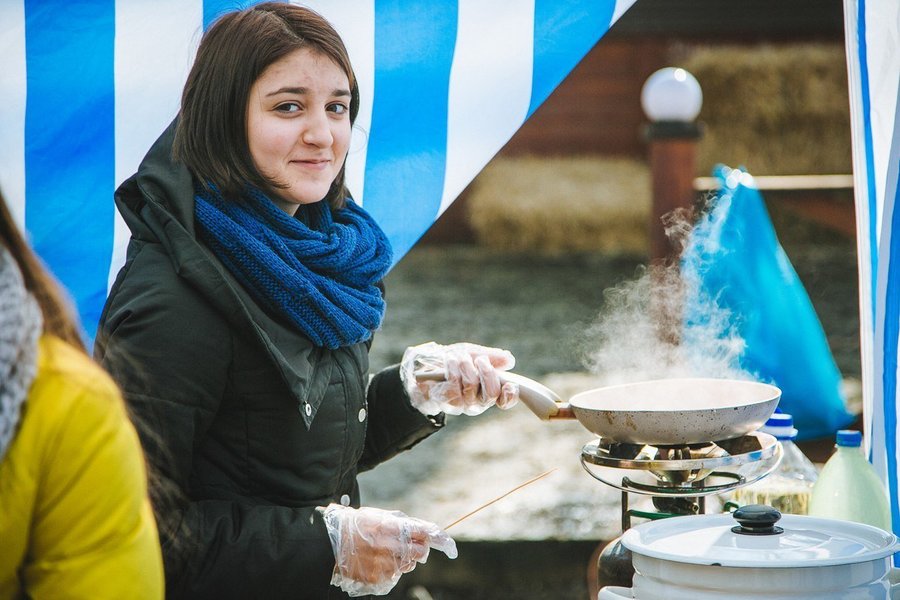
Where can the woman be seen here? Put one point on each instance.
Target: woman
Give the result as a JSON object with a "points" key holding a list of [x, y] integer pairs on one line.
{"points": [[75, 521], [240, 324]]}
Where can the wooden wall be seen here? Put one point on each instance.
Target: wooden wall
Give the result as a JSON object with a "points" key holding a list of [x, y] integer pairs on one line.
{"points": [[596, 109]]}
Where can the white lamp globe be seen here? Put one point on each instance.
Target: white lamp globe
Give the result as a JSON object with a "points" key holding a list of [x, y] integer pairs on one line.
{"points": [[671, 94]]}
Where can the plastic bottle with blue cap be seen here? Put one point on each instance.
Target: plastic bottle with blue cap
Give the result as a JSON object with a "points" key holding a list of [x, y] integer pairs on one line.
{"points": [[789, 487], [849, 488]]}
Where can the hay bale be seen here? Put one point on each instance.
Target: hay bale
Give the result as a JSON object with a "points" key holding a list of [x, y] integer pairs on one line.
{"points": [[777, 110], [556, 204]]}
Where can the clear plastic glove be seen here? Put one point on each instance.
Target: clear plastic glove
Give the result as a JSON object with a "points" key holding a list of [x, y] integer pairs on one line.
{"points": [[458, 378], [374, 547]]}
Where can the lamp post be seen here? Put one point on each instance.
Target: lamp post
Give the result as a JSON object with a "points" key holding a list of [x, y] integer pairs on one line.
{"points": [[671, 99]]}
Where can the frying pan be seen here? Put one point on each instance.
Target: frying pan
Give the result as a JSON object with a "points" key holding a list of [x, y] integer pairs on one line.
{"points": [[663, 411]]}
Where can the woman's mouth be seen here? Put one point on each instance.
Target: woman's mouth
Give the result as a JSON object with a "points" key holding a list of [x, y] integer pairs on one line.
{"points": [[313, 164]]}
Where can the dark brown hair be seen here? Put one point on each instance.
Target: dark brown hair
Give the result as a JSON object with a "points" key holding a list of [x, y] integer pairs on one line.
{"points": [[211, 135], [59, 320]]}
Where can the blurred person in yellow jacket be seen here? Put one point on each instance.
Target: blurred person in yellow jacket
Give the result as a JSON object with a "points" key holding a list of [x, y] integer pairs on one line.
{"points": [[75, 519]]}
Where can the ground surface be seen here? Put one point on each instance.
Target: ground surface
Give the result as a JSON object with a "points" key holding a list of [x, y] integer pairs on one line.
{"points": [[537, 306]]}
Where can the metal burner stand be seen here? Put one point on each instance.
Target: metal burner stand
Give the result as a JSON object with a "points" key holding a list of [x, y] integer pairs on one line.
{"points": [[684, 475]]}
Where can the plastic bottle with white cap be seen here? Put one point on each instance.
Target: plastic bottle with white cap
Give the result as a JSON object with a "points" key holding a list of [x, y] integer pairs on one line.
{"points": [[789, 487], [848, 487]]}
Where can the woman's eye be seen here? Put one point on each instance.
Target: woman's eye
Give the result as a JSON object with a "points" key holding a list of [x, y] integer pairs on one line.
{"points": [[288, 107], [338, 108]]}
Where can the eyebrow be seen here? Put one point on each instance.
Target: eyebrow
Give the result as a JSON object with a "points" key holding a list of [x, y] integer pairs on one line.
{"points": [[301, 91]]}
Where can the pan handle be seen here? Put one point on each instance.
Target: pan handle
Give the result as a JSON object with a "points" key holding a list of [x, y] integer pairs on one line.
{"points": [[541, 400]]}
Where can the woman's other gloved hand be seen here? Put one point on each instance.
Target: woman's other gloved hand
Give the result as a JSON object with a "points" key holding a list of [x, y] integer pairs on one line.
{"points": [[458, 378], [374, 547]]}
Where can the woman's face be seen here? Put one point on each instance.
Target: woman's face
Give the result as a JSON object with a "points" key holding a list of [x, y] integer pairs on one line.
{"points": [[298, 126]]}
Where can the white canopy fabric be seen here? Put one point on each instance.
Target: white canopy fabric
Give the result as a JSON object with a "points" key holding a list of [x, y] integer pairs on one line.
{"points": [[86, 86], [873, 60]]}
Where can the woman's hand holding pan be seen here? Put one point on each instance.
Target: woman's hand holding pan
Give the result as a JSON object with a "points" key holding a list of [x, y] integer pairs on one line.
{"points": [[457, 379]]}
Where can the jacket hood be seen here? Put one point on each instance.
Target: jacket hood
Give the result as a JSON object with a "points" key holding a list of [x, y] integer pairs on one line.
{"points": [[157, 204], [161, 183]]}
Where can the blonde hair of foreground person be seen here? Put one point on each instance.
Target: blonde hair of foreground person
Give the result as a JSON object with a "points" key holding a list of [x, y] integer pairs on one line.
{"points": [[75, 520]]}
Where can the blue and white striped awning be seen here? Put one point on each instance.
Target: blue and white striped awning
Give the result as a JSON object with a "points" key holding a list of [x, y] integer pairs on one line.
{"points": [[873, 58], [87, 85]]}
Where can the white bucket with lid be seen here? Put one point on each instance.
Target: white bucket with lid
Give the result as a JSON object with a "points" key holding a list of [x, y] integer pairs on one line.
{"points": [[713, 557]]}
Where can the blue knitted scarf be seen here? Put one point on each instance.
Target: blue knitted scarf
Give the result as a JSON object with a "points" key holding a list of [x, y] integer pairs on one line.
{"points": [[317, 270]]}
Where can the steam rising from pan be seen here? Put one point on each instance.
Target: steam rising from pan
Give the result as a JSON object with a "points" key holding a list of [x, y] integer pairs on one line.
{"points": [[643, 333]]}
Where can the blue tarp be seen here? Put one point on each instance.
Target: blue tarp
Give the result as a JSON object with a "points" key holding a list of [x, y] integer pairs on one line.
{"points": [[734, 257]]}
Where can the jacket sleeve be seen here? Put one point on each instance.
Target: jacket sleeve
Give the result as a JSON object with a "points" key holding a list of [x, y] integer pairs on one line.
{"points": [[93, 535], [171, 353], [394, 424]]}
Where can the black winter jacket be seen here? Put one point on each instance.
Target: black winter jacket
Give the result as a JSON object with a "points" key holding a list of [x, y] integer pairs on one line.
{"points": [[254, 424]]}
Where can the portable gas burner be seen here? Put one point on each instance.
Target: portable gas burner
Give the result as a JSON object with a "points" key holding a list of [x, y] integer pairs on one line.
{"points": [[691, 471], [677, 477]]}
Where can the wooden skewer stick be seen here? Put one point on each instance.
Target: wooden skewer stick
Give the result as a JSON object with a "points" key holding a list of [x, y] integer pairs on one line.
{"points": [[486, 504]]}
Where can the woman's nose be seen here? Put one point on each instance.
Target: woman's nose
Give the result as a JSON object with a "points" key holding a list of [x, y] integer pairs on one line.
{"points": [[317, 131]]}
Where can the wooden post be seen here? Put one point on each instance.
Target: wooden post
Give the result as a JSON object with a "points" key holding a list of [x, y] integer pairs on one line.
{"points": [[673, 163]]}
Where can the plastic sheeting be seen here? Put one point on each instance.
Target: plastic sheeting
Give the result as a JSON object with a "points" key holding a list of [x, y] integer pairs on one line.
{"points": [[733, 256]]}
